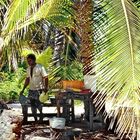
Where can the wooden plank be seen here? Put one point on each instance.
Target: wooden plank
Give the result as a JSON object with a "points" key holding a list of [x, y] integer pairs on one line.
{"points": [[43, 114], [45, 105]]}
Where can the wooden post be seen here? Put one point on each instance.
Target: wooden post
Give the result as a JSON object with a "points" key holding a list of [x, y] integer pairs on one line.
{"points": [[91, 114]]}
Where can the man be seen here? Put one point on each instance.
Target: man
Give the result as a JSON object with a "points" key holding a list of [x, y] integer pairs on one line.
{"points": [[37, 79]]}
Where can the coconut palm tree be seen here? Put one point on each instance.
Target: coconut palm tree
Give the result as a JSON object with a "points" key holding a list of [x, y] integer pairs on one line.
{"points": [[116, 59], [116, 50], [117, 64], [84, 29], [18, 15]]}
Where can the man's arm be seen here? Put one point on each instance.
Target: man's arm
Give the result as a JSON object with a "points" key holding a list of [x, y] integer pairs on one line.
{"points": [[45, 83], [27, 80]]}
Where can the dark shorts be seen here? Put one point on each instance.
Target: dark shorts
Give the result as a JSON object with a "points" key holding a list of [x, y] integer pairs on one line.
{"points": [[33, 96]]}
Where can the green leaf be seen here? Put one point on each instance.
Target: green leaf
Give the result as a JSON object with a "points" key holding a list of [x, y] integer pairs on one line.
{"points": [[117, 59], [21, 14], [45, 57]]}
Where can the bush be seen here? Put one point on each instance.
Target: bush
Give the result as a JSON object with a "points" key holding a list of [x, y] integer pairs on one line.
{"points": [[10, 84]]}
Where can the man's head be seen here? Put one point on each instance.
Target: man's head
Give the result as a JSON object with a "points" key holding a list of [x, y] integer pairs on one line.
{"points": [[31, 59]]}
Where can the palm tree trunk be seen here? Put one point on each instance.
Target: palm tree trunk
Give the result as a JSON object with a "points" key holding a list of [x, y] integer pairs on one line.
{"points": [[84, 28]]}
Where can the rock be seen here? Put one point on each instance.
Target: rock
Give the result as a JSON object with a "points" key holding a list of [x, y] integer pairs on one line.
{"points": [[10, 125], [3, 106]]}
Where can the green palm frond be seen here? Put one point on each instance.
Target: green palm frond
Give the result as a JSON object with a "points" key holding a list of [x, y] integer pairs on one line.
{"points": [[21, 14], [3, 2], [18, 11], [58, 12], [45, 57], [71, 72], [62, 14], [118, 64], [137, 3]]}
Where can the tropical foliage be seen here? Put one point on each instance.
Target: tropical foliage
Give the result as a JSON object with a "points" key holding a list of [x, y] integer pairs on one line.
{"points": [[112, 27], [20, 14], [10, 84], [17, 17], [117, 63]]}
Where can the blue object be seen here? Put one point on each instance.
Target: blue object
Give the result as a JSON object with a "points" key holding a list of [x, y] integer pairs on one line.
{"points": [[23, 100]]}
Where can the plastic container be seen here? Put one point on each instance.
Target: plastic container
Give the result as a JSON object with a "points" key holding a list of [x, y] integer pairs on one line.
{"points": [[23, 100], [57, 123], [73, 84]]}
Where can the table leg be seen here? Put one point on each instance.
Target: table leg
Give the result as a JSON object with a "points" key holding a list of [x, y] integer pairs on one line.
{"points": [[91, 115], [72, 111], [86, 108]]}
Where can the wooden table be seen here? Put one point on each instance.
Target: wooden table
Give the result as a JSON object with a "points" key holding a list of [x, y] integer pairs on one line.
{"points": [[88, 105], [68, 97]]}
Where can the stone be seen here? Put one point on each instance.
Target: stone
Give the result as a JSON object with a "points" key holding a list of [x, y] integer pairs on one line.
{"points": [[10, 125]]}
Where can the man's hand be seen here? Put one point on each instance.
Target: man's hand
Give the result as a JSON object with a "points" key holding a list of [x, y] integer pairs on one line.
{"points": [[46, 90]]}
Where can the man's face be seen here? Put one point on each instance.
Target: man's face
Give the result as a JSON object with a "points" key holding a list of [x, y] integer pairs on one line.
{"points": [[30, 61]]}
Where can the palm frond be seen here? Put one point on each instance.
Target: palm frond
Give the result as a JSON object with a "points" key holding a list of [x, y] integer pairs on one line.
{"points": [[118, 63], [17, 12], [45, 57], [3, 2], [21, 14]]}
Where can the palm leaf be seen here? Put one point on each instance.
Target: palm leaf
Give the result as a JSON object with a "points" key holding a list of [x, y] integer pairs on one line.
{"points": [[117, 63], [17, 12], [3, 2], [45, 57], [21, 14], [54, 11]]}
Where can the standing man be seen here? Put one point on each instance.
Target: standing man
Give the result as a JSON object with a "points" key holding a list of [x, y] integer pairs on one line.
{"points": [[37, 79]]}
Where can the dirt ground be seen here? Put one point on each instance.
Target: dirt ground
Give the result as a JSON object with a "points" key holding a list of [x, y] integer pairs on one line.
{"points": [[78, 130]]}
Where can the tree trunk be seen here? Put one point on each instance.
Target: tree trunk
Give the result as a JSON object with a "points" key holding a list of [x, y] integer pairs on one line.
{"points": [[84, 29]]}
